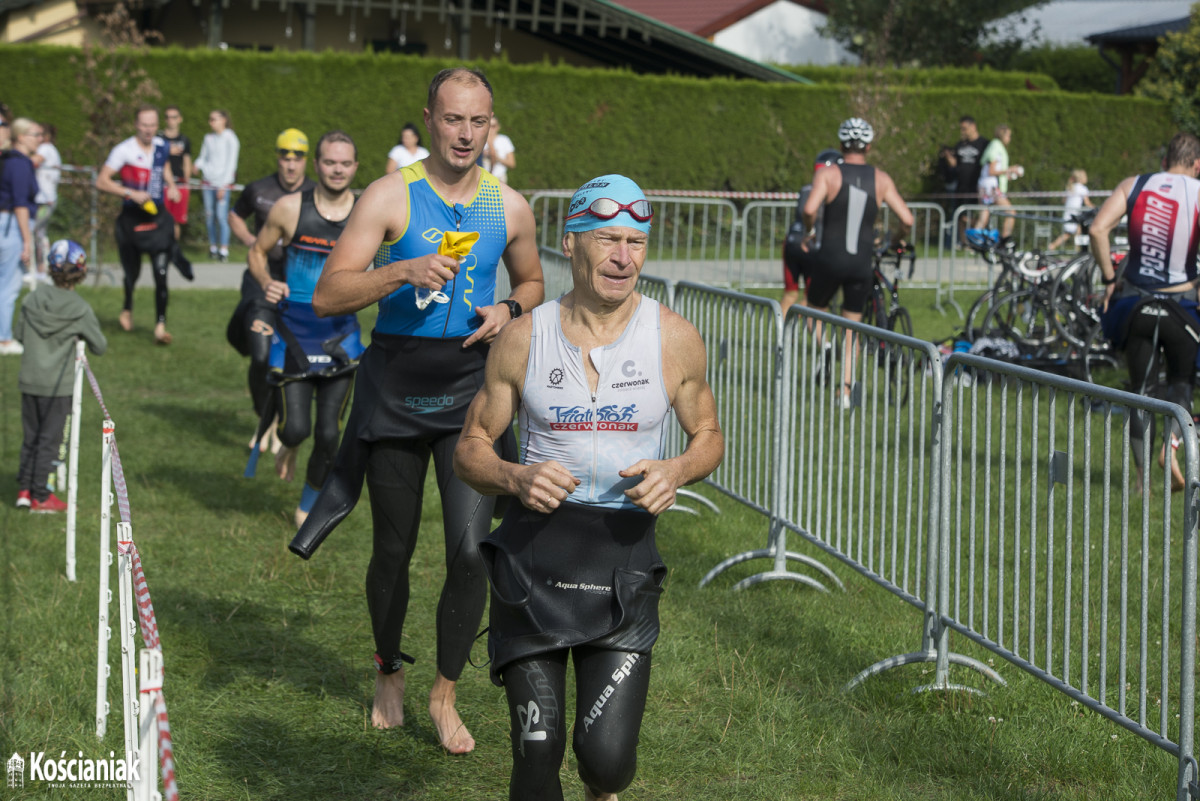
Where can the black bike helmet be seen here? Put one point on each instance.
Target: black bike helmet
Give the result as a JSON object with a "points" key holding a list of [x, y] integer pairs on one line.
{"points": [[827, 158]]}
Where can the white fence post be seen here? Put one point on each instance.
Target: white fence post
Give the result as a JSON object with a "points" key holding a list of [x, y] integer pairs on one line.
{"points": [[151, 685], [103, 631], [73, 460], [129, 689]]}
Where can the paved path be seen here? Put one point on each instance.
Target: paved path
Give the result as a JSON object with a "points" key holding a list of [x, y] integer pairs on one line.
{"points": [[209, 275]]}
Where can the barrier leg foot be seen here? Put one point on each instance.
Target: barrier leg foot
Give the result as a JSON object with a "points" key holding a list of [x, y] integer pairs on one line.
{"points": [[928, 656], [780, 575], [889, 663], [736, 559], [695, 496]]}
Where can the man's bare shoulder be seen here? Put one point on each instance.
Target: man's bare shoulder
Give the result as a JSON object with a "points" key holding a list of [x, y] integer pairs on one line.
{"points": [[515, 204], [510, 350], [679, 335]]}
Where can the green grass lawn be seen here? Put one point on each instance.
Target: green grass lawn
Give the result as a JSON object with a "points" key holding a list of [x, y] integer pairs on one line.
{"points": [[269, 676]]}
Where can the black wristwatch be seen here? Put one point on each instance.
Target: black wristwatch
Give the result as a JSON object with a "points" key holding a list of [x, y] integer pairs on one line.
{"points": [[514, 308]]}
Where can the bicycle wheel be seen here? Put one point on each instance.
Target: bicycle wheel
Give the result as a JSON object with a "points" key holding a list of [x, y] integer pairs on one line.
{"points": [[1023, 318], [1076, 297]]}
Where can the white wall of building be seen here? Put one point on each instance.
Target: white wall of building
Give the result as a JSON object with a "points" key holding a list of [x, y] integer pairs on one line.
{"points": [[783, 33]]}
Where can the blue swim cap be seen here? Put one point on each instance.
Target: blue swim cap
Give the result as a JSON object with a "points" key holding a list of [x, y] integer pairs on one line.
{"points": [[613, 187]]}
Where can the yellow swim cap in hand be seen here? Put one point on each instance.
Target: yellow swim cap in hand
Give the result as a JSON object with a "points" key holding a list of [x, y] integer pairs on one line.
{"points": [[151, 208], [457, 243]]}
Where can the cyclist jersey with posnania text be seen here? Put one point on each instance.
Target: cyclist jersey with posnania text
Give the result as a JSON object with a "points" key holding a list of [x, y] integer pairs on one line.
{"points": [[1163, 226]]}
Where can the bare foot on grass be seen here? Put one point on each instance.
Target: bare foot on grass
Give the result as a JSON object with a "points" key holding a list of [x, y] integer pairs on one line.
{"points": [[1177, 480], [452, 733], [125, 320], [285, 463], [388, 709], [161, 337]]}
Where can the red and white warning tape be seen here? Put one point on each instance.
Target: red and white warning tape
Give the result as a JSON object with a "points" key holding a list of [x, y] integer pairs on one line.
{"points": [[141, 592], [166, 753]]}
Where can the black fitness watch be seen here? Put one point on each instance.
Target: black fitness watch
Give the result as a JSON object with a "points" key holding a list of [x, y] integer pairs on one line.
{"points": [[514, 308]]}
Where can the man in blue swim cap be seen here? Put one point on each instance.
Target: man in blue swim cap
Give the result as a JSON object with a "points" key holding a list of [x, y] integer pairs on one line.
{"points": [[594, 376]]}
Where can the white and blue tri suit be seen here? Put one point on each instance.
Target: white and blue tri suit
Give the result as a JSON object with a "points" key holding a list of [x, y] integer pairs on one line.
{"points": [[554, 585]]}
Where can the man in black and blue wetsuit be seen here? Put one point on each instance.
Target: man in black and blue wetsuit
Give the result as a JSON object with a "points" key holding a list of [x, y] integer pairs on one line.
{"points": [[575, 572], [437, 316], [253, 322], [310, 356]]}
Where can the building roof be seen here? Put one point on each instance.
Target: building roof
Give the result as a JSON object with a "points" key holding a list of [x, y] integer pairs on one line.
{"points": [[705, 17], [1068, 22], [1139, 33]]}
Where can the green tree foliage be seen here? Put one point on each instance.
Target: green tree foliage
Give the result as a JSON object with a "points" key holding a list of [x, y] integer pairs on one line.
{"points": [[1075, 68], [917, 32], [1174, 74]]}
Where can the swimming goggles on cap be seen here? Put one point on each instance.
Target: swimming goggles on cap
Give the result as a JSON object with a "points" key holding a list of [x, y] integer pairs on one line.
{"points": [[606, 208]]}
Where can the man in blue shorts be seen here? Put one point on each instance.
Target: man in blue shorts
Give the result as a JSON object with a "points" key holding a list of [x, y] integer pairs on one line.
{"points": [[310, 357], [437, 316], [253, 322], [575, 572]]}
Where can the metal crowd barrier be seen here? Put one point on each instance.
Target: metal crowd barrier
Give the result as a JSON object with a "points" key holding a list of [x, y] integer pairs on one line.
{"points": [[691, 238], [741, 335], [1048, 558]]}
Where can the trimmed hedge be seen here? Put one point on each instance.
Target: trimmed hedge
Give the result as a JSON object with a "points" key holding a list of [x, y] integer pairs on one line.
{"points": [[570, 124], [931, 77]]}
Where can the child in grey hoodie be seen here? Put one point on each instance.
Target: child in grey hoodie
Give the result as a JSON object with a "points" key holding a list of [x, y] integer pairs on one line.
{"points": [[48, 324]]}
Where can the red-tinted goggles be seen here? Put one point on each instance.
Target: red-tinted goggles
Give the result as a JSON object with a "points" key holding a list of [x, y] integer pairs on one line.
{"points": [[607, 208]]}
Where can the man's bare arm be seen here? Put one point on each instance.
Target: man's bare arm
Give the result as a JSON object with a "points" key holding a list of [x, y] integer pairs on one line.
{"points": [[816, 198], [695, 409], [541, 486], [887, 193], [346, 285], [279, 225], [1106, 220]]}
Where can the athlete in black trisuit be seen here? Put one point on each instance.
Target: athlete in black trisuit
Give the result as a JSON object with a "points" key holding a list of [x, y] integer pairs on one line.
{"points": [[310, 355], [423, 367], [851, 196], [1155, 315], [574, 569], [253, 321]]}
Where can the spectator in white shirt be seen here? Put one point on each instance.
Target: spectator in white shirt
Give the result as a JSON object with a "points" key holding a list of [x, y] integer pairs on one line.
{"points": [[218, 161], [48, 163], [499, 156]]}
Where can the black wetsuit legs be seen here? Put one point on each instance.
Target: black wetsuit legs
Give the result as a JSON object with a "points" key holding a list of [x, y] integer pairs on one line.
{"points": [[608, 718], [260, 325], [131, 262], [396, 479], [296, 420], [1153, 338]]}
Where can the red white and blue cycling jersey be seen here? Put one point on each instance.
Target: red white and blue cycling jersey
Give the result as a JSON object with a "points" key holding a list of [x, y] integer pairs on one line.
{"points": [[138, 170], [1164, 230]]}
